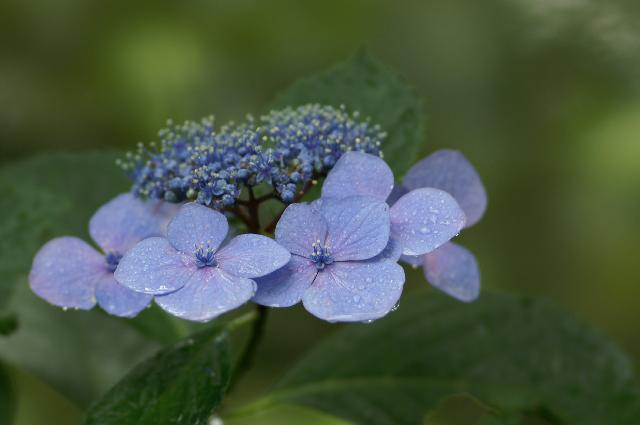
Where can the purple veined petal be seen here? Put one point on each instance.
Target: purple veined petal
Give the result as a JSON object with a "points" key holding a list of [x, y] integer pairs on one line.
{"points": [[392, 252], [414, 261], [153, 266], [450, 171], [424, 219], [397, 192], [454, 270], [355, 291], [209, 293], [285, 286], [357, 227], [251, 256], [299, 228], [117, 300], [65, 272], [196, 225], [124, 221], [358, 173]]}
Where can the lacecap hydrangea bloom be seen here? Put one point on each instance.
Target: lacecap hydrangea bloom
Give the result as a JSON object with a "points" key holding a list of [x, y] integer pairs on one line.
{"points": [[285, 149], [190, 277], [70, 273]]}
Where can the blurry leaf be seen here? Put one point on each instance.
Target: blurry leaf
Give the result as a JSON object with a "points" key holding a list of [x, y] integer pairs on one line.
{"points": [[511, 353], [182, 384], [8, 323], [7, 398], [47, 196], [79, 353], [364, 85]]}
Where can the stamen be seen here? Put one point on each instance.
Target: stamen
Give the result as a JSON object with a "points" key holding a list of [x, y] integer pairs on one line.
{"points": [[321, 255], [205, 256], [112, 259]]}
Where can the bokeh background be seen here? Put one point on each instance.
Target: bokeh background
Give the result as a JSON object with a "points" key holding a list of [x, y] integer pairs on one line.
{"points": [[542, 96]]}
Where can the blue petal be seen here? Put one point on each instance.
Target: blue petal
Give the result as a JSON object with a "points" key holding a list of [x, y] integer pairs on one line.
{"points": [[299, 228], [117, 300], [65, 272], [424, 219], [358, 173], [414, 261], [124, 221], [285, 287], [209, 293], [357, 227], [252, 255], [154, 267], [450, 171], [355, 291], [197, 225], [454, 270], [392, 252]]}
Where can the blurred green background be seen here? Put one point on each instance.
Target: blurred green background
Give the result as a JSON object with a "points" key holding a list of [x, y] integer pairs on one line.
{"points": [[542, 96]]}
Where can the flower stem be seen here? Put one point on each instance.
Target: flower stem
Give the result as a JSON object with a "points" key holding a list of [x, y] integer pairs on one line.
{"points": [[247, 357]]}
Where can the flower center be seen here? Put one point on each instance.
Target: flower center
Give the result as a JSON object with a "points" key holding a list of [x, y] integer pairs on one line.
{"points": [[204, 257], [321, 256], [112, 259]]}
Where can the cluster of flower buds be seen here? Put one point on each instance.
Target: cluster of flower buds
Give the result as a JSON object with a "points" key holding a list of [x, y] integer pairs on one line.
{"points": [[286, 148]]}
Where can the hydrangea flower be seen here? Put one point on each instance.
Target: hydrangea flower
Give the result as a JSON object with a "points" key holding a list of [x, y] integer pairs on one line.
{"points": [[451, 268], [421, 220], [189, 275], [70, 273], [417, 203], [285, 149], [335, 269]]}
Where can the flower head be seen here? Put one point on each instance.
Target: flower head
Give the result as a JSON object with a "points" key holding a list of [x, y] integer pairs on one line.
{"points": [[335, 269], [191, 277], [70, 273]]}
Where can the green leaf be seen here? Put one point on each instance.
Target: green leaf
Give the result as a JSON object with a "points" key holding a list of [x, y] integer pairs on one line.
{"points": [[8, 324], [79, 353], [182, 384], [47, 196], [7, 398], [511, 353], [365, 85]]}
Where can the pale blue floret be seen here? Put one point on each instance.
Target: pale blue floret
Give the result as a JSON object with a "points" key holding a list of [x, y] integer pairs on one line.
{"points": [[191, 277], [346, 283], [70, 273], [440, 195]]}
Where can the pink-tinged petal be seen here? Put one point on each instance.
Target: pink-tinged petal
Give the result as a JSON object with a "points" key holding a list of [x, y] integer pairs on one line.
{"points": [[196, 225], [414, 261], [65, 272], [209, 293], [450, 171], [117, 300], [357, 227], [454, 270], [154, 267], [355, 291], [124, 221], [299, 228], [424, 219], [251, 256], [285, 287], [358, 173]]}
